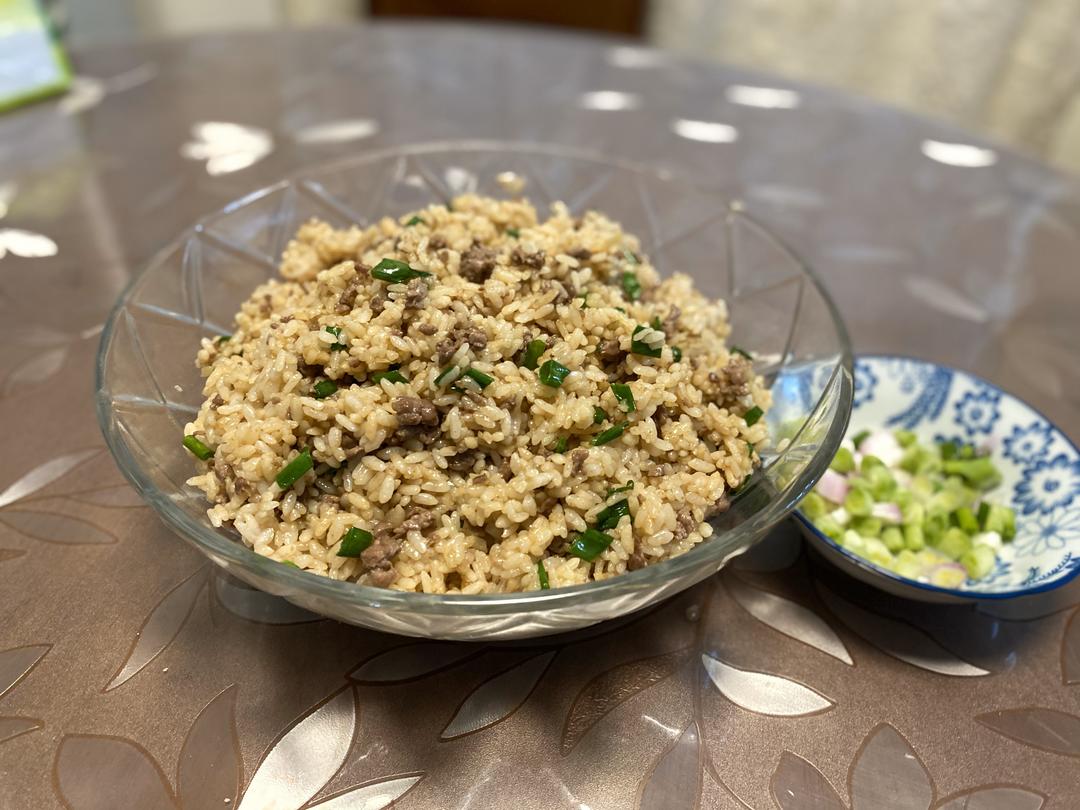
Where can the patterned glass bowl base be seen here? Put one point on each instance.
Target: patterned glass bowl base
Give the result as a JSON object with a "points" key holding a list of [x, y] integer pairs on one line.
{"points": [[1040, 468], [148, 387]]}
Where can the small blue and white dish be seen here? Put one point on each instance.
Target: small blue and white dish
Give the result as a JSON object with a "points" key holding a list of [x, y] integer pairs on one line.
{"points": [[1040, 470]]}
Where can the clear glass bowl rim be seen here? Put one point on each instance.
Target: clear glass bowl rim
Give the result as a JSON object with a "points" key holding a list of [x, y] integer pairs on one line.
{"points": [[289, 579]]}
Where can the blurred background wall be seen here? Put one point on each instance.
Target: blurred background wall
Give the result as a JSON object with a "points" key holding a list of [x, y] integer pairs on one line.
{"points": [[1008, 69]]}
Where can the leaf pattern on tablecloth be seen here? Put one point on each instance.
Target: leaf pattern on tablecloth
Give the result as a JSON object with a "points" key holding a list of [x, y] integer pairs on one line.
{"points": [[245, 602], [10, 554], [789, 618], [372, 796], [497, 698], [118, 497], [887, 774], [52, 527], [16, 664], [762, 692], [994, 797], [1070, 650], [798, 785], [34, 370], [899, 639], [610, 689], [306, 757], [674, 782], [163, 624], [210, 769], [411, 661], [44, 474], [1046, 729], [94, 772], [12, 727]]}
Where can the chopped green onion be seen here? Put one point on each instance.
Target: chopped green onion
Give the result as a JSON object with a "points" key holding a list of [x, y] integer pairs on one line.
{"points": [[541, 574], [291, 564], [948, 450], [641, 347], [294, 470], [619, 309], [609, 517], [552, 373], [598, 415], [859, 438], [354, 542], [979, 472], [743, 352], [562, 444], [415, 220], [966, 520], [221, 339], [631, 286], [198, 449], [609, 435], [396, 272], [753, 415], [625, 396], [337, 346], [479, 377], [584, 299], [513, 232], [391, 374], [324, 388], [630, 257], [843, 462], [532, 353], [629, 485], [446, 375], [590, 544], [656, 323], [676, 354]]}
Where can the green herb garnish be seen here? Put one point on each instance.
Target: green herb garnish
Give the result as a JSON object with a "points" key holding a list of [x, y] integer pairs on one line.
{"points": [[656, 324], [446, 375], [676, 354], [415, 220], [610, 516], [291, 564], [584, 299], [590, 544], [562, 444], [859, 437], [629, 485], [532, 353], [630, 257], [396, 272], [354, 542], [541, 574], [631, 286], [625, 396], [513, 233], [552, 373], [324, 388], [198, 448], [598, 415], [222, 339], [479, 377], [753, 415], [743, 352], [392, 374], [294, 470], [641, 347], [337, 346], [609, 435]]}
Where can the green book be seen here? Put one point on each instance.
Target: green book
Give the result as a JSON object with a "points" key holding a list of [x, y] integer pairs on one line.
{"points": [[32, 63]]}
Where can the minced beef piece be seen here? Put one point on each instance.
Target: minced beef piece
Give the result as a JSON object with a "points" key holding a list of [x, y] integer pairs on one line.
{"points": [[684, 524], [637, 560], [415, 293], [577, 460], [348, 295], [523, 259], [415, 411], [672, 320], [610, 351], [462, 462], [418, 520], [381, 577], [437, 242], [477, 263], [580, 253], [472, 335], [384, 545], [428, 329], [217, 401], [719, 506], [378, 301]]}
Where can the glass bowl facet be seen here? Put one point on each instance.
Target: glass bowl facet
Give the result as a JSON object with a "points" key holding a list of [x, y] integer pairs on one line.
{"points": [[148, 386]]}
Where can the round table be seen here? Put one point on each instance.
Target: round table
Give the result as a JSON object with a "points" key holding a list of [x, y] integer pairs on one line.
{"points": [[132, 674]]}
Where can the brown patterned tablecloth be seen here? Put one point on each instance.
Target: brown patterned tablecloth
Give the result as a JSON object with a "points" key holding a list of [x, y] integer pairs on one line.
{"points": [[133, 675]]}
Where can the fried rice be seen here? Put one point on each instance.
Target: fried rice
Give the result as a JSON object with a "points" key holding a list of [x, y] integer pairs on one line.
{"points": [[507, 404]]}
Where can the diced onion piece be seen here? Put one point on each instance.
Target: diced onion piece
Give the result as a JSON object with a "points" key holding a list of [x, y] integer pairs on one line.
{"points": [[991, 539], [888, 512], [833, 486], [883, 444]]}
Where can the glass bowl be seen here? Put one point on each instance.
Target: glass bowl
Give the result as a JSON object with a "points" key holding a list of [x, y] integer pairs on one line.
{"points": [[148, 386]]}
